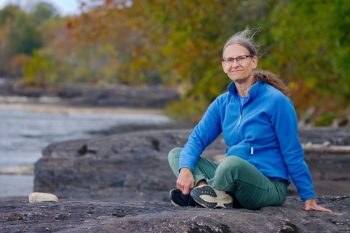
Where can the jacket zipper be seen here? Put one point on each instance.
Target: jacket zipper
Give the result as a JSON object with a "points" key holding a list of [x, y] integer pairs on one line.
{"points": [[239, 120], [240, 114], [238, 124]]}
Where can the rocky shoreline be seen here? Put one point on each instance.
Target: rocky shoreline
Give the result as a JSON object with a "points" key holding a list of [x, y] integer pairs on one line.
{"points": [[108, 96], [120, 183], [118, 180]]}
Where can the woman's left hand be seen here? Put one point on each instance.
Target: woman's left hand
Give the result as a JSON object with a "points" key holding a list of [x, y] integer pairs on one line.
{"points": [[311, 204]]}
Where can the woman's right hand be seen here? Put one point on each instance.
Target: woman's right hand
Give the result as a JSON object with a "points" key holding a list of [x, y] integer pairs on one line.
{"points": [[185, 181]]}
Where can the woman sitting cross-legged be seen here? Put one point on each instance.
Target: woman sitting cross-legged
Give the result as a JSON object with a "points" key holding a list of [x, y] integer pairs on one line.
{"points": [[259, 125]]}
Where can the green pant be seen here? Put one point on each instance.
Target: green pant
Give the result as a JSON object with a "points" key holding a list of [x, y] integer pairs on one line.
{"points": [[249, 187]]}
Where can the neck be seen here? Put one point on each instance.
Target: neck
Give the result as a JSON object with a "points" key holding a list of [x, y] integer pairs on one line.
{"points": [[244, 85]]}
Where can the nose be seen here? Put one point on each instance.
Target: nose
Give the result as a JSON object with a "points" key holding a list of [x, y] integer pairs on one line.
{"points": [[234, 64]]}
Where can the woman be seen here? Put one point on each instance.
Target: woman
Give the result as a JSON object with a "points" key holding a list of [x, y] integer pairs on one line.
{"points": [[259, 126]]}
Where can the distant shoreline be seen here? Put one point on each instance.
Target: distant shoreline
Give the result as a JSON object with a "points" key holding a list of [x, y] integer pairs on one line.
{"points": [[57, 106], [113, 95]]}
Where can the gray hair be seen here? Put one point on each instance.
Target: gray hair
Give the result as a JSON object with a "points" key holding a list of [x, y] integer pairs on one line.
{"points": [[245, 39]]}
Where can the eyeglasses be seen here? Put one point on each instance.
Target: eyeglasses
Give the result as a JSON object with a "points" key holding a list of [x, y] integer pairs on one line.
{"points": [[240, 59]]}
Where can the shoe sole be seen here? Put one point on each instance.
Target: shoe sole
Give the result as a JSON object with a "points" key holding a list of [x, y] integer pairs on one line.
{"points": [[207, 197], [172, 202]]}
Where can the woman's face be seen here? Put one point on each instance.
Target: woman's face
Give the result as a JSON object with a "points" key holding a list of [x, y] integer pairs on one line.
{"points": [[238, 64]]}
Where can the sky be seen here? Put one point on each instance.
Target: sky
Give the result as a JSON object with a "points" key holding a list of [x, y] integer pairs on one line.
{"points": [[65, 7]]}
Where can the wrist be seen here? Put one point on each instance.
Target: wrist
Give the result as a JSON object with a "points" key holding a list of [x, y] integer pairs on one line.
{"points": [[185, 169], [310, 199]]}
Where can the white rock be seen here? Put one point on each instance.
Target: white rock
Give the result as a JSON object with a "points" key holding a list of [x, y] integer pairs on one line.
{"points": [[39, 197]]}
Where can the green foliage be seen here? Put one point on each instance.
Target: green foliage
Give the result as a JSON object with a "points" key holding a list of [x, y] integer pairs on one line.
{"points": [[86, 64], [44, 11], [9, 13], [19, 33], [191, 42], [309, 47], [38, 71], [341, 54], [24, 37], [324, 120]]}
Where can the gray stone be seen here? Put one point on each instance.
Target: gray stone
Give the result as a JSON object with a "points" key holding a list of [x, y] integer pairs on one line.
{"points": [[17, 215], [120, 183], [129, 164], [112, 95], [133, 165]]}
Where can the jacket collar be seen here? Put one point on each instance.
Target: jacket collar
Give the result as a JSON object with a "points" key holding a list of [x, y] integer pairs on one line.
{"points": [[252, 92]]}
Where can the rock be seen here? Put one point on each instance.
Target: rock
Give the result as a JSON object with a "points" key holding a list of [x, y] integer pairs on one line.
{"points": [[127, 128], [97, 168], [17, 215], [120, 166], [128, 178], [40, 197], [111, 95], [133, 166], [321, 135], [330, 171], [125, 96]]}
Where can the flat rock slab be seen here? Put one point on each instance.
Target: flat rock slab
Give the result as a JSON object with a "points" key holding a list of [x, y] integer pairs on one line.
{"points": [[17, 215], [134, 167]]}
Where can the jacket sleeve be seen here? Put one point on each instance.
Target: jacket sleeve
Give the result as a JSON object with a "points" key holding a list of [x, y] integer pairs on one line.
{"points": [[285, 122], [205, 132]]}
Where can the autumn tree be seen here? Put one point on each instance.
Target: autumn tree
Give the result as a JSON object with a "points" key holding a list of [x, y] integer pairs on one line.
{"points": [[176, 42], [20, 35], [179, 44]]}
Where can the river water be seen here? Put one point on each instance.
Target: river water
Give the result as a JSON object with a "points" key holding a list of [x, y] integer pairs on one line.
{"points": [[25, 129]]}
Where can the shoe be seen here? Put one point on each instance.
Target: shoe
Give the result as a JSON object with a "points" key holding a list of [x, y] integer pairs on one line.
{"points": [[179, 199], [209, 197]]}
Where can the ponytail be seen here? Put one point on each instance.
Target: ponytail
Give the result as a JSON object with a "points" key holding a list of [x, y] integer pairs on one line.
{"points": [[271, 79]]}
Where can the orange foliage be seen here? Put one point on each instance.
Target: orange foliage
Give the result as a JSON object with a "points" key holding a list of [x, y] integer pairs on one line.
{"points": [[14, 66]]}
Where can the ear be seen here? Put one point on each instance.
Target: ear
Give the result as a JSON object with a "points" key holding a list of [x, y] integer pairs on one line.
{"points": [[255, 62]]}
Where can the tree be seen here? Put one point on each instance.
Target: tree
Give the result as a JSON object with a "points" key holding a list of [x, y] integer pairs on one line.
{"points": [[179, 43], [309, 47], [19, 35], [44, 11]]}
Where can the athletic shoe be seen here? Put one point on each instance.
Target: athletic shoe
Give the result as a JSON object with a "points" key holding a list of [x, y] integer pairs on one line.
{"points": [[209, 197], [179, 199]]}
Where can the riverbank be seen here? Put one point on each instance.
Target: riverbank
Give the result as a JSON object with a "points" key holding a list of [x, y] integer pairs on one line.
{"points": [[27, 127], [120, 183]]}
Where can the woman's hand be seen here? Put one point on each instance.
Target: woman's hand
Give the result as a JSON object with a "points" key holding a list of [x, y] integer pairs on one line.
{"points": [[311, 204], [185, 181]]}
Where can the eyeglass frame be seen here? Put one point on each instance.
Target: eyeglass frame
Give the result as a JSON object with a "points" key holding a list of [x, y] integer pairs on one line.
{"points": [[231, 60]]}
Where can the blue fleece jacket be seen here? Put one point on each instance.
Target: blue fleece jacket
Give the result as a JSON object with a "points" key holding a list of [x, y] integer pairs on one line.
{"points": [[263, 131]]}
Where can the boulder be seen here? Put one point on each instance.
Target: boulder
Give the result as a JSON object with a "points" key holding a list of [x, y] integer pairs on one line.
{"points": [[133, 166], [119, 166]]}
